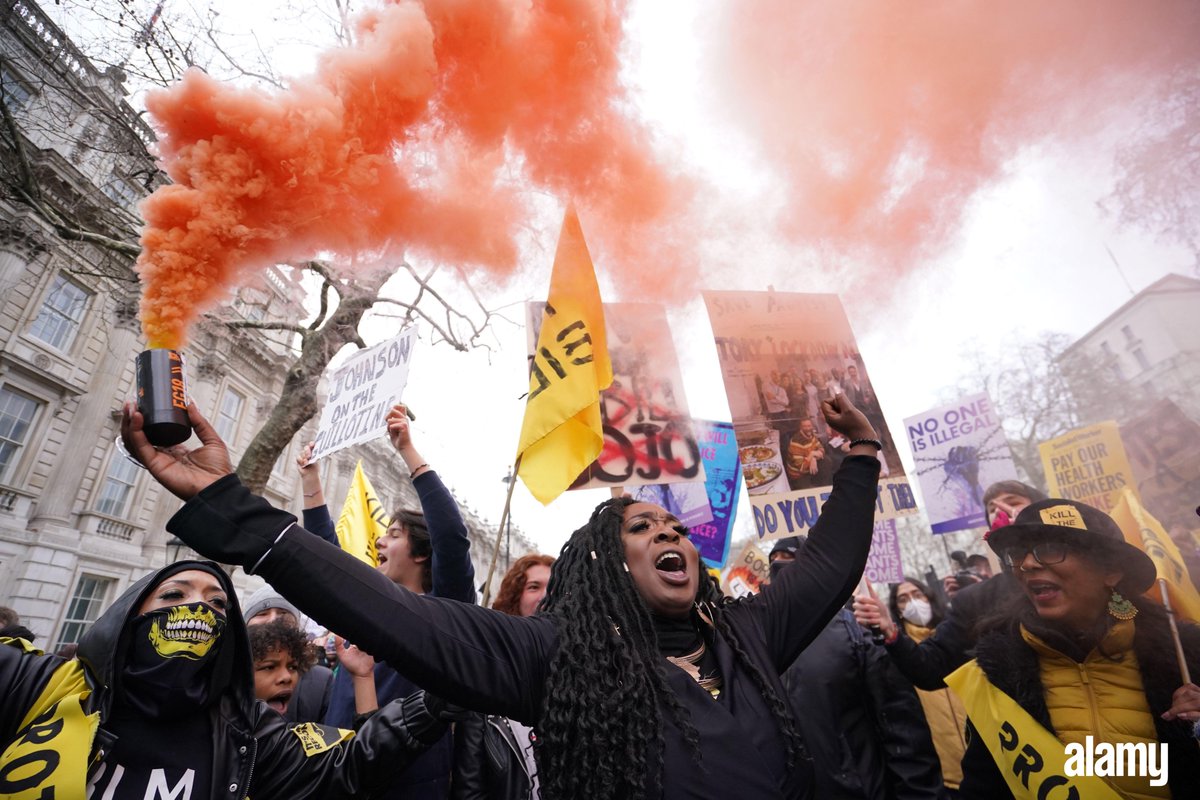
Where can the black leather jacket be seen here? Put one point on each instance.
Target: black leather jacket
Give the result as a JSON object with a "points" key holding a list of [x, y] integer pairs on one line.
{"points": [[256, 752], [488, 764], [861, 720]]}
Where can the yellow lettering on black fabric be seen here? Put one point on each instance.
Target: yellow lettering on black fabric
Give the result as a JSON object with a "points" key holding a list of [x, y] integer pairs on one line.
{"points": [[316, 739]]}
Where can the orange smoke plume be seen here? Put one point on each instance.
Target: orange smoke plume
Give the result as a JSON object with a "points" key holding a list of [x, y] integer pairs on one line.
{"points": [[403, 139], [882, 120]]}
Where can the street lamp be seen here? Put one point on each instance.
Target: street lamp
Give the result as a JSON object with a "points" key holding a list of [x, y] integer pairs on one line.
{"points": [[176, 548]]}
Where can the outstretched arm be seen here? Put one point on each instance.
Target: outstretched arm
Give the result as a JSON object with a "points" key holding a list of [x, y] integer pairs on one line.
{"points": [[475, 657]]}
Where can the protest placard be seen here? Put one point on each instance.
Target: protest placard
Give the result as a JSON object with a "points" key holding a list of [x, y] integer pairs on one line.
{"points": [[747, 573], [959, 450], [883, 562], [361, 392], [710, 535], [782, 354], [648, 435], [718, 448], [1088, 464], [688, 502]]}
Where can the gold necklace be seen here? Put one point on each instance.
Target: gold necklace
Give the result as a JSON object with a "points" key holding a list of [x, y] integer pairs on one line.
{"points": [[690, 664]]}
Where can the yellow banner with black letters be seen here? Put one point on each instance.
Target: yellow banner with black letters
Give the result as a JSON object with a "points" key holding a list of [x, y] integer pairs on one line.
{"points": [[1032, 760], [48, 757]]}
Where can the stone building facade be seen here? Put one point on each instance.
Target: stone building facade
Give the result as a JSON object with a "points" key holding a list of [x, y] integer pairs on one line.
{"points": [[1152, 343], [78, 521]]}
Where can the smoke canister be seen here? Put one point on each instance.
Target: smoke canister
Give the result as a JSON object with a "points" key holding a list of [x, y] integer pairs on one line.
{"points": [[162, 397]]}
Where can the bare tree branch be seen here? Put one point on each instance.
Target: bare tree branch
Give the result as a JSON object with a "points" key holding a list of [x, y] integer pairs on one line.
{"points": [[266, 326], [233, 62]]}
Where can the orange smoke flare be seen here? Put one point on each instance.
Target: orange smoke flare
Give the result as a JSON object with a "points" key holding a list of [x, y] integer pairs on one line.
{"points": [[401, 139], [883, 120]]}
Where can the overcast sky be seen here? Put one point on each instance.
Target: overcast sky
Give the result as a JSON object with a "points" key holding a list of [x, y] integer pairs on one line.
{"points": [[1027, 255]]}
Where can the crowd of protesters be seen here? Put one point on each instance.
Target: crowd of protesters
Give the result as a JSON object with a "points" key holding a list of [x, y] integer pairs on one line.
{"points": [[617, 669]]}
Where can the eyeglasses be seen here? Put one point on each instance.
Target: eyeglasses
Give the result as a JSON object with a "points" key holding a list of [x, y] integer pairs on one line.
{"points": [[1045, 553]]}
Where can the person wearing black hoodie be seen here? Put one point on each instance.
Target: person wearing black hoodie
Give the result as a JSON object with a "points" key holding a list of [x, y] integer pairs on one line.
{"points": [[160, 703]]}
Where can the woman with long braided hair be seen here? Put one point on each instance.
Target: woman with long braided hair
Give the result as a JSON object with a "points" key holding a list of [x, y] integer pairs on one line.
{"points": [[637, 684]]}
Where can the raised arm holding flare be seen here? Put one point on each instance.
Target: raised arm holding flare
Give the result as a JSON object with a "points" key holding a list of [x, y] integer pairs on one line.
{"points": [[637, 682]]}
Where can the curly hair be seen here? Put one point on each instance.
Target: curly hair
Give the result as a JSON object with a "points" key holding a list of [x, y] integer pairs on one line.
{"points": [[508, 599], [601, 730], [281, 634]]}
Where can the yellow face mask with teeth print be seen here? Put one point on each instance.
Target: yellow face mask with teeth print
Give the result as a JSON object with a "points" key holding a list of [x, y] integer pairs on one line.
{"points": [[187, 631]]}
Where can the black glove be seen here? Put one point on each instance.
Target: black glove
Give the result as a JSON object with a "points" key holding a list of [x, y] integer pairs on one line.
{"points": [[443, 710]]}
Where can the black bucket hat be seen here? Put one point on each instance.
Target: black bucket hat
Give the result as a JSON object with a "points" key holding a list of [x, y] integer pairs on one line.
{"points": [[1084, 527]]}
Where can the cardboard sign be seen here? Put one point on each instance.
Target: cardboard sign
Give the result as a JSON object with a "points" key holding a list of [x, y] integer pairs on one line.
{"points": [[361, 393], [1088, 465], [883, 563], [718, 493], [648, 434], [747, 573], [959, 450], [782, 354]]}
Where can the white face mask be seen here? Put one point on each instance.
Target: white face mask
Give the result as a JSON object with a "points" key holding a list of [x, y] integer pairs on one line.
{"points": [[917, 612]]}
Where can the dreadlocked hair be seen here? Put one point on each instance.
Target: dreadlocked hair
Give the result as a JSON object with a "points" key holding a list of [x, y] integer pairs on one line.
{"points": [[601, 730]]}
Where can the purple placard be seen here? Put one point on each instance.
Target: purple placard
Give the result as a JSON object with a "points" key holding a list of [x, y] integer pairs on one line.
{"points": [[883, 563]]}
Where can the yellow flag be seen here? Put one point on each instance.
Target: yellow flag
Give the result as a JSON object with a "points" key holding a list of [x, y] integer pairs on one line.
{"points": [[1147, 534], [562, 433], [363, 519]]}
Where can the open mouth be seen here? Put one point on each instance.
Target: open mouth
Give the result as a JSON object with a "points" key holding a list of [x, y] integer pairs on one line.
{"points": [[382, 559], [280, 701], [672, 566], [1043, 592]]}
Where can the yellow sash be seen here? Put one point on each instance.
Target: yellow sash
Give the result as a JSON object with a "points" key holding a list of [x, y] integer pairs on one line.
{"points": [[1031, 759], [53, 744]]}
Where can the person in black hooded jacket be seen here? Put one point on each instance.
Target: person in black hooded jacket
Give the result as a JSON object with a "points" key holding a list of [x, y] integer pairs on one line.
{"points": [[160, 703]]}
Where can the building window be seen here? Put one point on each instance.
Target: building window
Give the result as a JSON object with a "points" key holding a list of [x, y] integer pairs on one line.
{"points": [[121, 191], [16, 94], [280, 470], [229, 414], [89, 599], [1125, 329], [252, 311], [17, 413], [1140, 356], [118, 486], [61, 314]]}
